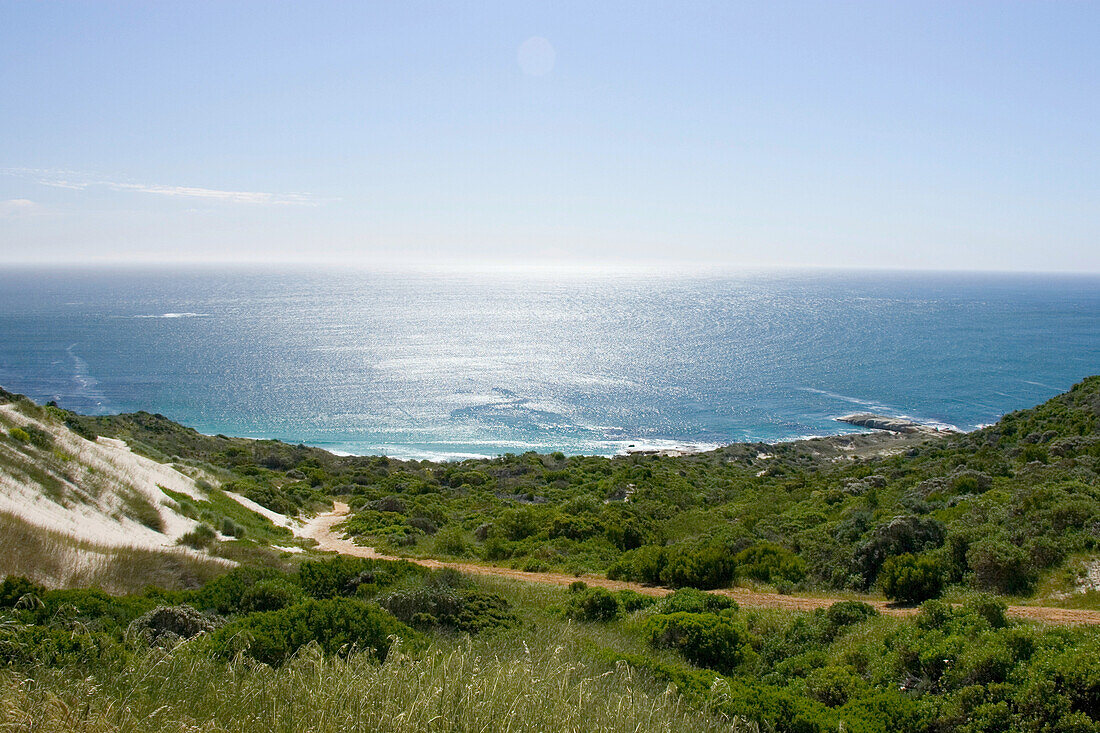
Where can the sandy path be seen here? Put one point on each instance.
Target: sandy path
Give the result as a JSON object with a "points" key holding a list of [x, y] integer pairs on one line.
{"points": [[320, 529]]}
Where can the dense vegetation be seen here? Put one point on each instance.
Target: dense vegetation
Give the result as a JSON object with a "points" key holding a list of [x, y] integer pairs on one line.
{"points": [[998, 509], [352, 644], [379, 645]]}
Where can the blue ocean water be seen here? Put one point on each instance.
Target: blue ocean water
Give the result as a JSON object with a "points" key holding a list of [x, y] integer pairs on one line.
{"points": [[445, 366]]}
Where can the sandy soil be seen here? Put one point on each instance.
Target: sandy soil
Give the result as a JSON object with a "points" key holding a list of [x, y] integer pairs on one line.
{"points": [[320, 528], [96, 477]]}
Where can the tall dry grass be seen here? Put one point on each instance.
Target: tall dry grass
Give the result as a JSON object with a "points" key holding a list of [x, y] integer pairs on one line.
{"points": [[501, 685], [57, 560]]}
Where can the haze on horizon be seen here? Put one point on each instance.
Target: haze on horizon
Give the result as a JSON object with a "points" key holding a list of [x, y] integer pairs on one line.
{"points": [[918, 136]]}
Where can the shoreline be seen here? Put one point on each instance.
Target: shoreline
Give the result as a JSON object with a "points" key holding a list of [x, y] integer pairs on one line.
{"points": [[855, 444], [863, 439]]}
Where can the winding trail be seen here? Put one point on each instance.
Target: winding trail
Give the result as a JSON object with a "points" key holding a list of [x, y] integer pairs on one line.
{"points": [[320, 528]]}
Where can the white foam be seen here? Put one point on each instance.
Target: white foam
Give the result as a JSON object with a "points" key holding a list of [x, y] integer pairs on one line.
{"points": [[176, 315]]}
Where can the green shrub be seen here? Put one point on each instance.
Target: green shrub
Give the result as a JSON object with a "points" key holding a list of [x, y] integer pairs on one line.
{"points": [[343, 575], [226, 593], [593, 604], [709, 566], [337, 625], [770, 563], [835, 686], [14, 588], [632, 600], [989, 607], [271, 595], [643, 565], [843, 614], [911, 579], [705, 639], [451, 540], [20, 435], [692, 600], [1001, 567], [200, 538], [232, 529], [449, 600]]}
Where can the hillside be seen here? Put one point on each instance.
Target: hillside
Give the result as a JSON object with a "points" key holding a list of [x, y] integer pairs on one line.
{"points": [[87, 510], [302, 640], [1012, 508]]}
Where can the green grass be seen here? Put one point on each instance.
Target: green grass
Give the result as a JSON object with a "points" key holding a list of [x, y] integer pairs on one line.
{"points": [[218, 507]]}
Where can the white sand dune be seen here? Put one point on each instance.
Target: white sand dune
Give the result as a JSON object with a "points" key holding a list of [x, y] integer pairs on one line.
{"points": [[87, 489]]}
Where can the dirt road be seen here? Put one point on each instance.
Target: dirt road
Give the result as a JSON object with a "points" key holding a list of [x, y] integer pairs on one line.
{"points": [[320, 528]]}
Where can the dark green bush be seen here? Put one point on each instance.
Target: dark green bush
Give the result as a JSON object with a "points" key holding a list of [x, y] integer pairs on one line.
{"points": [[15, 587], [644, 565], [709, 566], [835, 686], [911, 578], [989, 607], [842, 614], [343, 575], [705, 639], [593, 604], [448, 599], [271, 595], [634, 601], [337, 625], [225, 594], [692, 600], [770, 563], [1001, 567], [201, 537]]}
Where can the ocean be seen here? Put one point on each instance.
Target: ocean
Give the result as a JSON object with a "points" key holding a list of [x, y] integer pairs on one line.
{"points": [[419, 365]]}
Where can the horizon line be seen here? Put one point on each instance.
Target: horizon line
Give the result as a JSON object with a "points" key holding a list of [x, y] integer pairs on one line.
{"points": [[653, 267]]}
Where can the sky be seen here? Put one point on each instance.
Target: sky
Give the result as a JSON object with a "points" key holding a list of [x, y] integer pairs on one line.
{"points": [[876, 134]]}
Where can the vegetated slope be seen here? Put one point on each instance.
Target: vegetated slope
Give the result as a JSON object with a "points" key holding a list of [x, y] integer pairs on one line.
{"points": [[76, 510], [323, 529], [1013, 508], [357, 644]]}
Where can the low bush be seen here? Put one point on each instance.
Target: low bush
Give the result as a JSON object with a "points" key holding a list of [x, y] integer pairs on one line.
{"points": [[344, 576], [705, 639], [835, 686], [226, 594], [271, 595], [911, 579], [709, 566], [632, 600], [592, 604], [1001, 567], [336, 625], [166, 626], [692, 600], [449, 600], [200, 538], [770, 563], [15, 588]]}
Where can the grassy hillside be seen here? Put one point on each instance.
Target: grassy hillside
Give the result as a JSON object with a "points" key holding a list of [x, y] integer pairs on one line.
{"points": [[302, 643], [1013, 508], [349, 644]]}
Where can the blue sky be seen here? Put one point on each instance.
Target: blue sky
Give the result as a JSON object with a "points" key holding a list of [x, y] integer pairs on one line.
{"points": [[878, 134]]}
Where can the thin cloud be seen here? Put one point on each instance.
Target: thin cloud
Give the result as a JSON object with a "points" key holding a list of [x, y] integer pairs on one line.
{"points": [[16, 207], [78, 182]]}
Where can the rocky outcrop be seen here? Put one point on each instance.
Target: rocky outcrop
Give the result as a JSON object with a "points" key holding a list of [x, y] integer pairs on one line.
{"points": [[885, 422]]}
